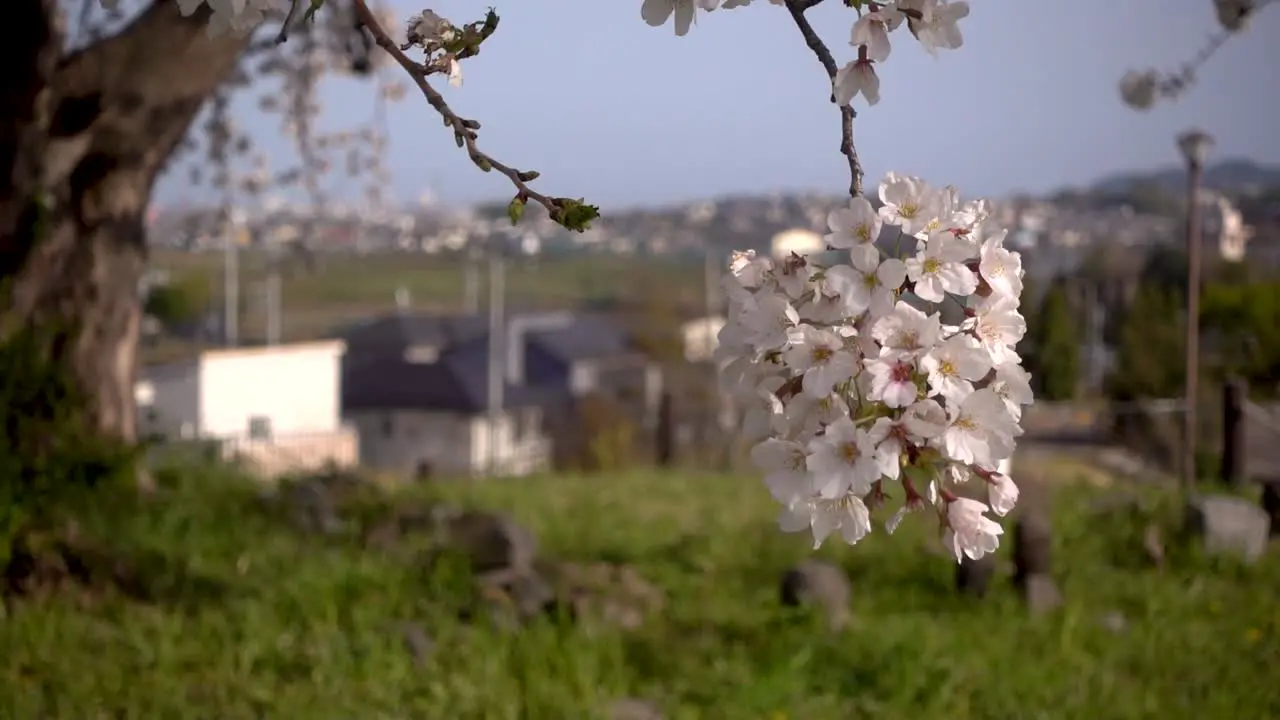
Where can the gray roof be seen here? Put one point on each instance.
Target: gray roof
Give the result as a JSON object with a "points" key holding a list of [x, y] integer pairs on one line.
{"points": [[376, 374]]}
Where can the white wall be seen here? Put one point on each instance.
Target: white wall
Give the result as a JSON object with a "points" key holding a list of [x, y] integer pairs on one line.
{"points": [[700, 338], [298, 387], [169, 400], [452, 444], [522, 442], [398, 441]]}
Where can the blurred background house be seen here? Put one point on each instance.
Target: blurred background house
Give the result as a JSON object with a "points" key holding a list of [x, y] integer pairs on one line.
{"points": [[423, 393], [274, 408]]}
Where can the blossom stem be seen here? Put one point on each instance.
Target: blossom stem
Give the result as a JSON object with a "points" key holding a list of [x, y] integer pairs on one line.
{"points": [[797, 9], [909, 488], [462, 128]]}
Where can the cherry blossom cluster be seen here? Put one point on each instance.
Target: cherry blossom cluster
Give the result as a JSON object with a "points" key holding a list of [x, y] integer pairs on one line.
{"points": [[433, 33], [934, 23], [893, 369]]}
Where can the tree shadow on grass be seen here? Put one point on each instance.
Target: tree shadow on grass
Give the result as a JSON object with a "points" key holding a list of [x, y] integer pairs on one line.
{"points": [[51, 567]]}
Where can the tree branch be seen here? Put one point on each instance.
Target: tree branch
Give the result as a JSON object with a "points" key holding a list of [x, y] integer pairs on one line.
{"points": [[797, 9], [135, 93], [464, 130]]}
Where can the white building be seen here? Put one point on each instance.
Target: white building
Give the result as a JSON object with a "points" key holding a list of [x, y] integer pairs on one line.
{"points": [[277, 407], [700, 337], [799, 241], [1224, 229]]}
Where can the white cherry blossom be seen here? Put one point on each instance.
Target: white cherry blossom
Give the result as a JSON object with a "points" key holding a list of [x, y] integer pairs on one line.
{"points": [[847, 515], [907, 329], [784, 465], [872, 31], [941, 28], [857, 78], [747, 270], [1013, 384], [855, 228], [658, 12], [821, 358], [843, 460], [805, 415], [792, 276], [868, 284], [769, 320], [764, 410], [998, 326], [1000, 268], [970, 533], [939, 268], [978, 429], [925, 420], [953, 365], [909, 203], [893, 379], [1002, 493]]}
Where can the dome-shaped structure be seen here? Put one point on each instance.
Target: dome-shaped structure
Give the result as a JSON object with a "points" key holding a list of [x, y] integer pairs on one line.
{"points": [[798, 241]]}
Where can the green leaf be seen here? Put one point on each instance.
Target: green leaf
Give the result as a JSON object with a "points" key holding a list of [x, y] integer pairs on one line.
{"points": [[473, 34], [515, 210], [310, 15], [490, 23], [575, 215]]}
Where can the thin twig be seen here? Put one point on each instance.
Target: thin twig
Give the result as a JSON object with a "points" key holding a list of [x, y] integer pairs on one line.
{"points": [[463, 128], [1176, 83], [283, 35], [797, 9]]}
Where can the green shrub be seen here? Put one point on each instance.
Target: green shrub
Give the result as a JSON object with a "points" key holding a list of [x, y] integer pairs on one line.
{"points": [[51, 461]]}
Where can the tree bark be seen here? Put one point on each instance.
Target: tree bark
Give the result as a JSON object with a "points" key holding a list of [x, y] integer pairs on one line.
{"points": [[83, 139]]}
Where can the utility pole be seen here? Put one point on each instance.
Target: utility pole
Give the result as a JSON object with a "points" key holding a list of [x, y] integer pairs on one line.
{"points": [[471, 279], [230, 280], [711, 279], [711, 303], [273, 295], [1195, 145], [1098, 341], [497, 349]]}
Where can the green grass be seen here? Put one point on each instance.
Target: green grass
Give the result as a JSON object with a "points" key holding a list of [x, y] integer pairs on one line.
{"points": [[303, 629]]}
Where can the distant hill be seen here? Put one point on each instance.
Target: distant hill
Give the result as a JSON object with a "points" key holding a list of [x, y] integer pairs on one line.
{"points": [[1232, 176]]}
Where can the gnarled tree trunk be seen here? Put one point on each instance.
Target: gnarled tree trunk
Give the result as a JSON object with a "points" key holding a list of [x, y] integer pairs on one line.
{"points": [[83, 137]]}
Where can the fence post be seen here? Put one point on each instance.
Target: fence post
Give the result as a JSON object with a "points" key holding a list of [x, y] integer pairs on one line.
{"points": [[1235, 394], [664, 443]]}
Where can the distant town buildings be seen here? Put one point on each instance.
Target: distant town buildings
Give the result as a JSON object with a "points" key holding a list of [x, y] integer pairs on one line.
{"points": [[1054, 234]]}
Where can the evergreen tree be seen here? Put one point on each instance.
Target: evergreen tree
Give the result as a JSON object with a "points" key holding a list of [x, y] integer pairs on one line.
{"points": [[1054, 358], [1150, 357]]}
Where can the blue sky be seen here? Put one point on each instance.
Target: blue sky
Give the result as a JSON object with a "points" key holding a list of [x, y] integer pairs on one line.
{"points": [[607, 107]]}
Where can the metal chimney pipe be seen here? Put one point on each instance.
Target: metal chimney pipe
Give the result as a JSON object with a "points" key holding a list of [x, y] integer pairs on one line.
{"points": [[521, 325]]}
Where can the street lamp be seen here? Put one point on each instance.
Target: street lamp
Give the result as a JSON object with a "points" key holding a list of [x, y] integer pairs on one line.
{"points": [[1195, 146]]}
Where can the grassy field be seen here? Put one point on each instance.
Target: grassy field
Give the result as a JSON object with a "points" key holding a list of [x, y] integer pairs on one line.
{"points": [[343, 288], [287, 627]]}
